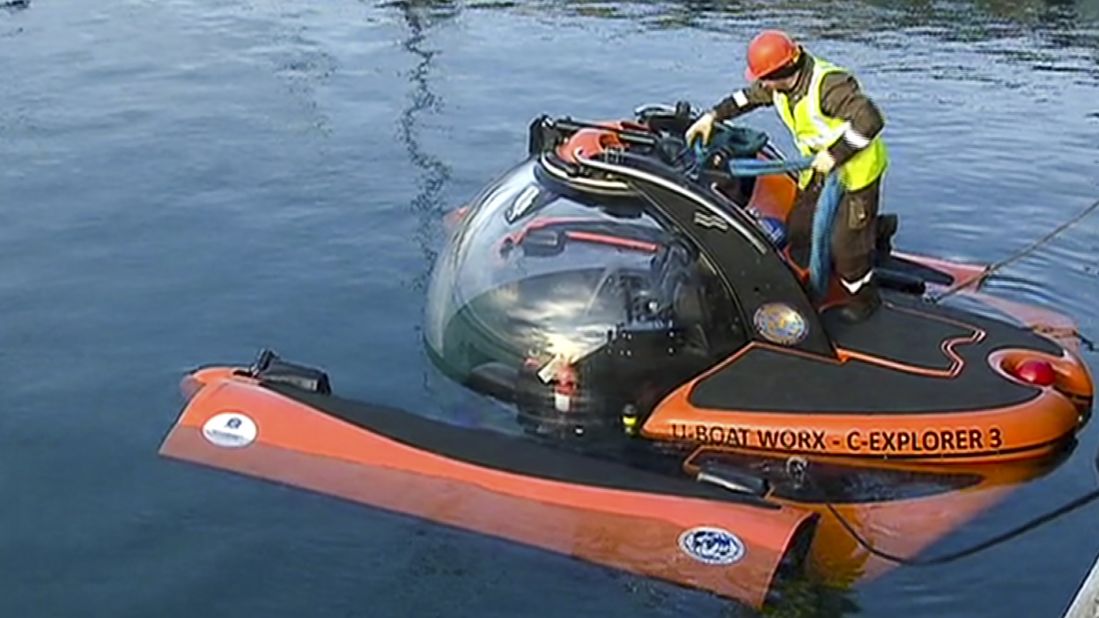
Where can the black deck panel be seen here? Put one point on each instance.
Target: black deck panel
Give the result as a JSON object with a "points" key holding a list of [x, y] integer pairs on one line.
{"points": [[768, 380], [771, 380], [507, 453], [1001, 333], [898, 333]]}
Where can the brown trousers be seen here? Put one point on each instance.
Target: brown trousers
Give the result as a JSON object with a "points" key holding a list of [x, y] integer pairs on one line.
{"points": [[853, 236]]}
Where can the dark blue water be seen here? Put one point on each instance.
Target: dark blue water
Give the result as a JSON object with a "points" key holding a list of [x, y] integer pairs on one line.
{"points": [[182, 182]]}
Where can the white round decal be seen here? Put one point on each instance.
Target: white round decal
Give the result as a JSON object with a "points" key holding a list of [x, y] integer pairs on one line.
{"points": [[230, 429], [712, 545]]}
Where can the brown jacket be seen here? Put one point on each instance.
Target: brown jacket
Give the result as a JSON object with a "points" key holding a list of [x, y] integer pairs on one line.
{"points": [[840, 96]]}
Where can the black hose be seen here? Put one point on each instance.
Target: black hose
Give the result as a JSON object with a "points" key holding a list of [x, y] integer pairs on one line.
{"points": [[1047, 517], [996, 540], [1088, 344]]}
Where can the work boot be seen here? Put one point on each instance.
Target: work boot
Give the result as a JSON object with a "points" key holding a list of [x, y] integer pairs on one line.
{"points": [[862, 304]]}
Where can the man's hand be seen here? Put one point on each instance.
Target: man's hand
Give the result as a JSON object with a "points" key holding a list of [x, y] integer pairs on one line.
{"points": [[704, 126], [823, 162]]}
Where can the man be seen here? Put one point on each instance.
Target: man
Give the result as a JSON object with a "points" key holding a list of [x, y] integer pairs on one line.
{"points": [[833, 121]]}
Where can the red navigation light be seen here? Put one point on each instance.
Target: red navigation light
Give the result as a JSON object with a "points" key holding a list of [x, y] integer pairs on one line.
{"points": [[1037, 372]]}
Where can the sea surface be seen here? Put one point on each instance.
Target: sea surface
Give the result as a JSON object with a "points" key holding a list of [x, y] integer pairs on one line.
{"points": [[185, 182]]}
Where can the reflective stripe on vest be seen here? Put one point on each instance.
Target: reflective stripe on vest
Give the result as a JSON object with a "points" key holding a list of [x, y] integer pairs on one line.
{"points": [[813, 131]]}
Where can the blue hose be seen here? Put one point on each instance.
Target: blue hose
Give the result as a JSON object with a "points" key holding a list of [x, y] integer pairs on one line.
{"points": [[765, 167], [824, 217], [824, 221]]}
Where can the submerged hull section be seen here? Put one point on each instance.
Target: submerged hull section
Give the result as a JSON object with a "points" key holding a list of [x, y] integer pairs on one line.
{"points": [[595, 510], [733, 522], [904, 509]]}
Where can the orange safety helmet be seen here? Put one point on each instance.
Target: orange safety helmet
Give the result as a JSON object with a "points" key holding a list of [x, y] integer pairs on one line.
{"points": [[768, 52]]}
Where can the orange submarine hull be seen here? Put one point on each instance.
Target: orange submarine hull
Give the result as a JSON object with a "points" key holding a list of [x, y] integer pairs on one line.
{"points": [[661, 524]]}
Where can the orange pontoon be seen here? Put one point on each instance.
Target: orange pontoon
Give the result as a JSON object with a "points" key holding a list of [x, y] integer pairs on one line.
{"points": [[727, 522]]}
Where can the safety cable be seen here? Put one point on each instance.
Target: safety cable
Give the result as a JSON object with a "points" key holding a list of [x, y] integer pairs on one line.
{"points": [[1047, 517], [1018, 255]]}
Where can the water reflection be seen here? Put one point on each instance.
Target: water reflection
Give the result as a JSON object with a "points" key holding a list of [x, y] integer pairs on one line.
{"points": [[420, 17]]}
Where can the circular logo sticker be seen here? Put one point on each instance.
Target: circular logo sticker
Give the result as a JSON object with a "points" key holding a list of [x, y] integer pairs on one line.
{"points": [[780, 323], [230, 429], [711, 545]]}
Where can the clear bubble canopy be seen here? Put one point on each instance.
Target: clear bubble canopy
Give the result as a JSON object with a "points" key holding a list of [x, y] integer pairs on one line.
{"points": [[536, 269]]}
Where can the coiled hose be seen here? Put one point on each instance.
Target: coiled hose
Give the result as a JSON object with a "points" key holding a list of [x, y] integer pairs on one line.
{"points": [[824, 217]]}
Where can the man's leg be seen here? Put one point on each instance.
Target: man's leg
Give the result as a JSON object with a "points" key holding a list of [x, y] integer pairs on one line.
{"points": [[853, 244]]}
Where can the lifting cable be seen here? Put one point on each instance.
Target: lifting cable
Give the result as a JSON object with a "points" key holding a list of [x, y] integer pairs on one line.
{"points": [[797, 468], [1017, 255]]}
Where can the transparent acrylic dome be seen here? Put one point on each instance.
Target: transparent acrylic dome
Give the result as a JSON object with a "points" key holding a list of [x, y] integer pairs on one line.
{"points": [[536, 269]]}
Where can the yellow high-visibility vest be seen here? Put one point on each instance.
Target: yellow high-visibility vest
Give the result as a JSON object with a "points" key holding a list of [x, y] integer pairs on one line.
{"points": [[813, 132]]}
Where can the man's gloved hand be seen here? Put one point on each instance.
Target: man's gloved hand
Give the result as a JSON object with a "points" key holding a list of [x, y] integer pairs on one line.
{"points": [[703, 127], [823, 162]]}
